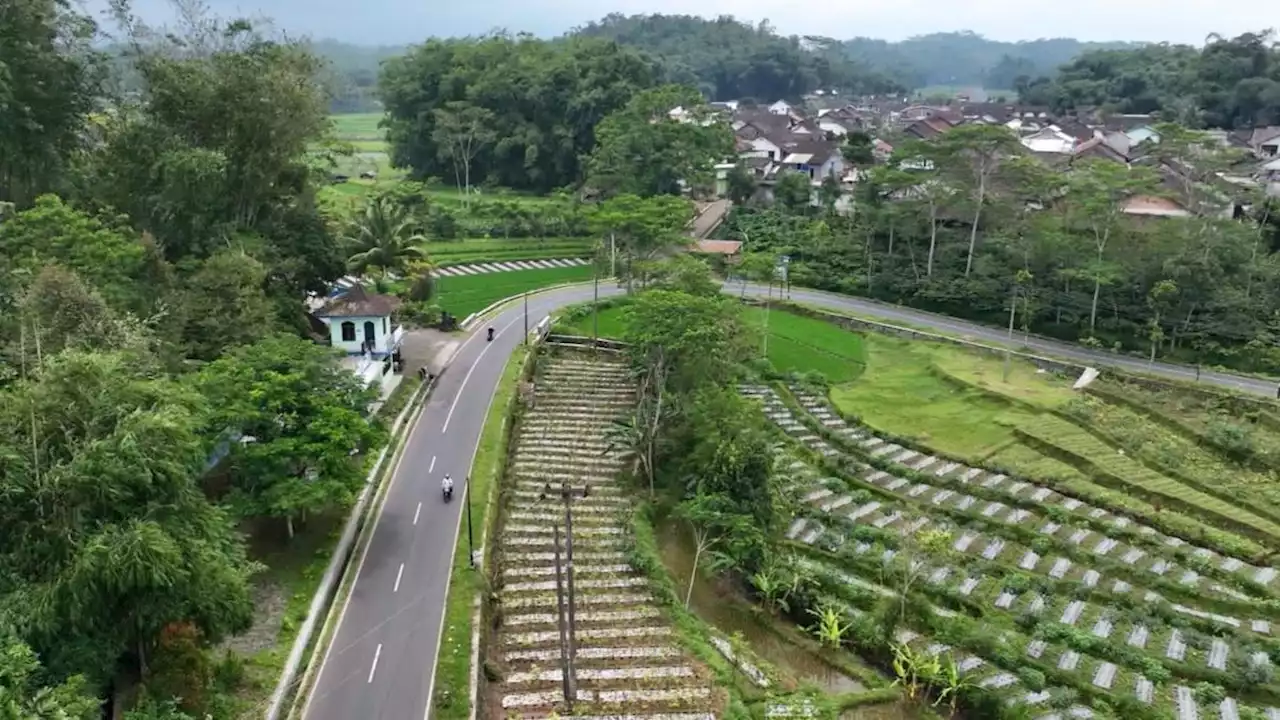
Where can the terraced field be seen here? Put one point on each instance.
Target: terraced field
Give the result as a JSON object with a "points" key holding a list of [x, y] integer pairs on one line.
{"points": [[1079, 609], [628, 665]]}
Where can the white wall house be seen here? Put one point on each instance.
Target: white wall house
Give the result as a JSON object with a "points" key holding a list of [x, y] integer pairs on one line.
{"points": [[360, 323], [766, 148], [781, 107]]}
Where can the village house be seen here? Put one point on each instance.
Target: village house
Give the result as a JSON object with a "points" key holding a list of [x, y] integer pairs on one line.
{"points": [[360, 324]]}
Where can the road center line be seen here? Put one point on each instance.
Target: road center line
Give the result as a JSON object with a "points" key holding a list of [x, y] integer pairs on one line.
{"points": [[475, 364], [433, 464], [374, 669], [399, 574], [416, 513]]}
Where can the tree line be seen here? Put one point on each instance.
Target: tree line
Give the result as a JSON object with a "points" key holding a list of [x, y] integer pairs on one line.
{"points": [[159, 394], [967, 225], [727, 59], [1228, 83]]}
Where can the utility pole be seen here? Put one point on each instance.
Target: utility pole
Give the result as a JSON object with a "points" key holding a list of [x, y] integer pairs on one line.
{"points": [[526, 317], [1008, 357], [566, 662], [613, 256], [595, 307], [471, 547], [568, 639], [767, 303]]}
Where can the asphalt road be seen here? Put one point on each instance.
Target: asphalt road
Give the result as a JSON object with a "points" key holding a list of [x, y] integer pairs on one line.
{"points": [[382, 660]]}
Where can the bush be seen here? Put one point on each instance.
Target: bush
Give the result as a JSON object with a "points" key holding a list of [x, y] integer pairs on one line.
{"points": [[422, 289], [419, 314], [1237, 440]]}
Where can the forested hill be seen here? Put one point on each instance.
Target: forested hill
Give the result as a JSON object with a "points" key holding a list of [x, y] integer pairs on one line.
{"points": [[729, 60], [966, 58], [1229, 83]]}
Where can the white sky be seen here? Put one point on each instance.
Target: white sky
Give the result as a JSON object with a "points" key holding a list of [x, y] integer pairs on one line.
{"points": [[401, 21]]}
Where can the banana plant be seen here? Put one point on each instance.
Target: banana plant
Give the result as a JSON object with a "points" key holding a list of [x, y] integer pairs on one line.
{"points": [[913, 669], [831, 628]]}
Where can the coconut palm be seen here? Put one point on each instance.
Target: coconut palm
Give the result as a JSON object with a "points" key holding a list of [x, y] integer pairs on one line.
{"points": [[385, 238]]}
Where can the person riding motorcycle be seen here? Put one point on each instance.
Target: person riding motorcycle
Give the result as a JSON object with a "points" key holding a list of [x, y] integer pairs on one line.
{"points": [[491, 333], [447, 484]]}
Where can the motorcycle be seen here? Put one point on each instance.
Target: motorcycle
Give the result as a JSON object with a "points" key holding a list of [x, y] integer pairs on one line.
{"points": [[447, 493], [490, 334]]}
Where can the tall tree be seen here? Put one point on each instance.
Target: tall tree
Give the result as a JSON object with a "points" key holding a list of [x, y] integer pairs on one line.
{"points": [[643, 149], [304, 414], [641, 229], [546, 99], [971, 155], [50, 77], [462, 131], [1097, 193]]}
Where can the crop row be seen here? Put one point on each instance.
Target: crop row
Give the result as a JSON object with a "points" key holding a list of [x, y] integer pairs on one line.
{"points": [[1243, 579], [1126, 473]]}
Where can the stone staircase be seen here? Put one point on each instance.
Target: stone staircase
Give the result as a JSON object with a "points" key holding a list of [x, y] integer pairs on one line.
{"points": [[628, 665]]}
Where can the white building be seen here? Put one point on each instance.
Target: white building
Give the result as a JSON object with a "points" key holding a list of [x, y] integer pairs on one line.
{"points": [[360, 324]]}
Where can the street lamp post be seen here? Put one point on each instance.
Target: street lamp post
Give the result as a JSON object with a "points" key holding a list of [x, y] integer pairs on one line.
{"points": [[526, 317]]}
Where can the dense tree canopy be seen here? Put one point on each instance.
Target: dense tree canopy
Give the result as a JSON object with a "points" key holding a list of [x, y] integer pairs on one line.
{"points": [[49, 79], [108, 537], [175, 229], [728, 59], [545, 99], [1229, 83], [642, 150]]}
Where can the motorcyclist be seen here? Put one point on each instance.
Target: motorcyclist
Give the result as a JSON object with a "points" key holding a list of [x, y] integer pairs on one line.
{"points": [[490, 333], [447, 484]]}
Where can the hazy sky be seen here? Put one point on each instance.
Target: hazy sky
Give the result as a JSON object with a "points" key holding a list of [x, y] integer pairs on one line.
{"points": [[403, 21]]}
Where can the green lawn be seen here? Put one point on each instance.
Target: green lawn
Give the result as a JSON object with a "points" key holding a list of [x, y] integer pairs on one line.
{"points": [[462, 296], [801, 344]]}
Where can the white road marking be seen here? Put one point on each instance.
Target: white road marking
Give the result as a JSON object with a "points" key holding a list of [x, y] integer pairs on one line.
{"points": [[399, 574], [374, 669], [433, 465], [416, 513], [454, 405]]}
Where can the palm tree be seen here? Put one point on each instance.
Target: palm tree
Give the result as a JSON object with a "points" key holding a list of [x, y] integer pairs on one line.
{"points": [[384, 237]]}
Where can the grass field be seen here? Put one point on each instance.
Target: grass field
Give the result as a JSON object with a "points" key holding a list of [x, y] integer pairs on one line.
{"points": [[796, 344], [802, 345], [358, 126], [462, 296]]}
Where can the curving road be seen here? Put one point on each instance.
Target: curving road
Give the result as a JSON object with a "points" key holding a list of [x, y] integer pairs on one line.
{"points": [[381, 662]]}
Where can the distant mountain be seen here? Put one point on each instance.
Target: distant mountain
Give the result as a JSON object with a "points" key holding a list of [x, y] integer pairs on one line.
{"points": [[966, 58], [730, 60]]}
